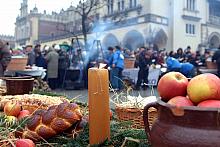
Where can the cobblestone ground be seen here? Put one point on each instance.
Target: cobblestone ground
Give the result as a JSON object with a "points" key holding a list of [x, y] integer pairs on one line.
{"points": [[82, 95]]}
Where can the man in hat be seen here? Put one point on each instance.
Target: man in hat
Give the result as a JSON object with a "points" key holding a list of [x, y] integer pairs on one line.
{"points": [[5, 57]]}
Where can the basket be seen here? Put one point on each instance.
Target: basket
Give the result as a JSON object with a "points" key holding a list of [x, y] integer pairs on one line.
{"points": [[211, 65], [19, 85], [135, 115]]}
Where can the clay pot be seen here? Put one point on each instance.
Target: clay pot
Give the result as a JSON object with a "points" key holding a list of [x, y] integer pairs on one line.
{"points": [[183, 127]]}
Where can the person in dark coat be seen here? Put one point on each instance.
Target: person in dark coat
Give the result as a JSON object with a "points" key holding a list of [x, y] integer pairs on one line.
{"points": [[5, 57], [143, 64], [40, 61], [180, 55], [216, 58], [63, 65]]}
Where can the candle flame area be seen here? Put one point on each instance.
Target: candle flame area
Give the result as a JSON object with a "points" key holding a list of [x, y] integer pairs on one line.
{"points": [[102, 65]]}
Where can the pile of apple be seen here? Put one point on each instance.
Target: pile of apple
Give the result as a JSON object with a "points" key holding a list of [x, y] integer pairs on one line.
{"points": [[202, 90], [14, 112]]}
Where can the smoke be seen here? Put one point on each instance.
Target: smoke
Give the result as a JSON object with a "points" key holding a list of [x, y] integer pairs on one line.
{"points": [[95, 50]]}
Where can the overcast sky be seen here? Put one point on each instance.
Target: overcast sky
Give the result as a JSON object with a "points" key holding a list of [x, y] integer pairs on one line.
{"points": [[9, 10]]}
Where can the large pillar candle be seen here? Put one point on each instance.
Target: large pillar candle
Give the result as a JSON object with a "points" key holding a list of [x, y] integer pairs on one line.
{"points": [[99, 114]]}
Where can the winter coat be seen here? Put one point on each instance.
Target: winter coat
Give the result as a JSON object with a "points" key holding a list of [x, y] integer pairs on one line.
{"points": [[31, 58], [52, 64], [143, 62], [109, 59], [40, 61], [63, 62], [5, 57], [216, 57], [186, 68], [118, 59], [172, 63]]}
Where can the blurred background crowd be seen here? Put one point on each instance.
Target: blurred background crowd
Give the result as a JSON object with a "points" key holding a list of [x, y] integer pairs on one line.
{"points": [[57, 59]]}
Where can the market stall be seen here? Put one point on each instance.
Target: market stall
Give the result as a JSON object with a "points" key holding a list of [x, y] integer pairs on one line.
{"points": [[132, 74], [34, 72], [22, 79], [17, 67]]}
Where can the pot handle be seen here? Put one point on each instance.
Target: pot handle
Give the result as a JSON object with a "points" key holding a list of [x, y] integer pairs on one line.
{"points": [[145, 117]]}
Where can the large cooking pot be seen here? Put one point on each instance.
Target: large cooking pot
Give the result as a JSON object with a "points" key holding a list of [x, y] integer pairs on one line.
{"points": [[183, 126]]}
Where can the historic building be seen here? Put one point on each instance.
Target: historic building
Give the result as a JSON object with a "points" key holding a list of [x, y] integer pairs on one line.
{"points": [[167, 24], [34, 26]]}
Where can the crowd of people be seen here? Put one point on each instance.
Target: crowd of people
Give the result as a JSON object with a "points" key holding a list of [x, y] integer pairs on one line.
{"points": [[183, 60], [56, 60]]}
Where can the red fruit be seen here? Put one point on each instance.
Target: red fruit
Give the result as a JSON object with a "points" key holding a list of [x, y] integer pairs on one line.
{"points": [[172, 84], [23, 113], [204, 87], [12, 109], [25, 143], [180, 101], [111, 114], [210, 104]]}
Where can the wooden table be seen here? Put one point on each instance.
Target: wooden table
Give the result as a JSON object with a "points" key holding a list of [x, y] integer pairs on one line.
{"points": [[205, 70]]}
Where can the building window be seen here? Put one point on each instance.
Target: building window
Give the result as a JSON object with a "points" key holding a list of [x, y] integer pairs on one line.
{"points": [[121, 5], [190, 29], [133, 3], [191, 5], [110, 6]]}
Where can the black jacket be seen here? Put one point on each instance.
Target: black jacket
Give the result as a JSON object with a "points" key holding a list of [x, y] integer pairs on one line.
{"points": [[216, 57]]}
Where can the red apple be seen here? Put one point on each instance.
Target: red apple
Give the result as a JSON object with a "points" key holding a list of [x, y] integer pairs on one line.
{"points": [[25, 143], [23, 113], [172, 84], [111, 114], [12, 109], [180, 101], [210, 104], [204, 87]]}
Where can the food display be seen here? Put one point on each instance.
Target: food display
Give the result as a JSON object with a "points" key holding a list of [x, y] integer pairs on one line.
{"points": [[180, 101], [41, 85], [3, 90], [187, 118], [204, 87], [210, 104], [12, 108], [172, 84], [202, 90], [48, 123], [32, 102], [25, 143]]}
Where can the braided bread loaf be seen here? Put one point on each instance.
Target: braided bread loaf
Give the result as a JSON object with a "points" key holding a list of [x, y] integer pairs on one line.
{"points": [[32, 102], [48, 123]]}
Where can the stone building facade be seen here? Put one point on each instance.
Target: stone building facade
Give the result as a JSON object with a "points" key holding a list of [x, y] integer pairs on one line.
{"points": [[167, 24]]}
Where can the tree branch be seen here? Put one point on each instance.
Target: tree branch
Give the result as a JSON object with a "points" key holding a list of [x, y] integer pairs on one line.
{"points": [[92, 4], [78, 12]]}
